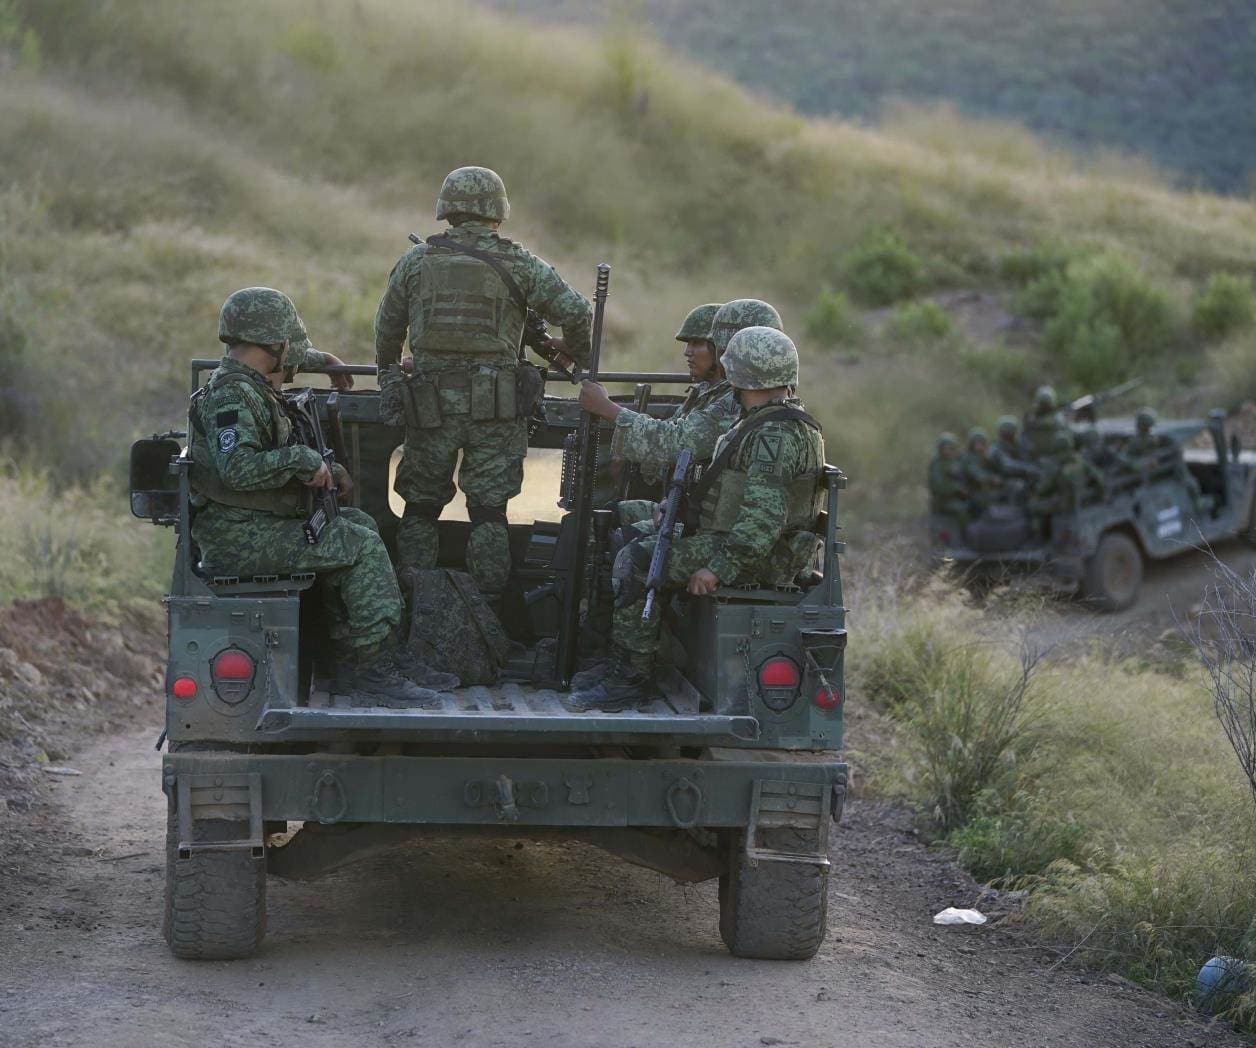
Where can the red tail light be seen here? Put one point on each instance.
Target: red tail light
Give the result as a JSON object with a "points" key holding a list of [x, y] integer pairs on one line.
{"points": [[232, 671], [183, 688], [779, 679], [827, 699]]}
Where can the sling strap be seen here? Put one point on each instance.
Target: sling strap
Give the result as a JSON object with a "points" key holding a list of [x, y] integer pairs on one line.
{"points": [[721, 462]]}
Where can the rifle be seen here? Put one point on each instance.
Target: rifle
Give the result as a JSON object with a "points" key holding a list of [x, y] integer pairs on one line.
{"points": [[304, 410], [1083, 408], [670, 529], [583, 476], [535, 335], [628, 473]]}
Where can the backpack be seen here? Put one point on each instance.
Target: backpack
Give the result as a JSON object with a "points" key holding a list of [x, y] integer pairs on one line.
{"points": [[451, 626]]}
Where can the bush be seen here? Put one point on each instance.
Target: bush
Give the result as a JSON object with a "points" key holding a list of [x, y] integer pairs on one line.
{"points": [[883, 270], [1026, 265], [919, 324], [831, 321], [1102, 317], [1226, 304], [1008, 837]]}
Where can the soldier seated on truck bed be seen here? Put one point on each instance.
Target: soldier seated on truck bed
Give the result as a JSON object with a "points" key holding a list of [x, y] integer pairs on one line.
{"points": [[250, 486], [709, 411], [755, 508]]}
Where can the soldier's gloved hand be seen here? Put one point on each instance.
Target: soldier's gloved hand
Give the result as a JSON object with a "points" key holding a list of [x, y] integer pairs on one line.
{"points": [[703, 582], [392, 410], [344, 482], [321, 479]]}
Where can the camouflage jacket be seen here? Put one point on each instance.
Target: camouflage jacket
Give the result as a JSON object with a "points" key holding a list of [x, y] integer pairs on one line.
{"points": [[1006, 460], [946, 479], [240, 444], [402, 307], [776, 457], [708, 412], [977, 471], [1047, 436]]}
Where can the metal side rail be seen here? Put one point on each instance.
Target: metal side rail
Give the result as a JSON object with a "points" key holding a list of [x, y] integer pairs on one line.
{"points": [[522, 724]]}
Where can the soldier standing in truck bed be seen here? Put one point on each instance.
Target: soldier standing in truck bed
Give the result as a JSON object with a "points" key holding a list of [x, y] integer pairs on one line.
{"points": [[463, 297], [250, 486], [755, 507]]}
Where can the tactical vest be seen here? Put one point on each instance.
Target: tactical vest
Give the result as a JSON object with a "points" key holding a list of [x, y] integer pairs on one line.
{"points": [[465, 308], [291, 500], [721, 489], [700, 398]]}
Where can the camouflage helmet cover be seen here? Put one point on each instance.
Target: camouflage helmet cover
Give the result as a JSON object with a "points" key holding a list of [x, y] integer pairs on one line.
{"points": [[1044, 399], [947, 440], [1007, 424], [1145, 418], [738, 314], [975, 434], [697, 325], [761, 357], [260, 315], [474, 191]]}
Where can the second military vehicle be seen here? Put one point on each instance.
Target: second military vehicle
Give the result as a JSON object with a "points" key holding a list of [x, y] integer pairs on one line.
{"points": [[1191, 495], [731, 773]]}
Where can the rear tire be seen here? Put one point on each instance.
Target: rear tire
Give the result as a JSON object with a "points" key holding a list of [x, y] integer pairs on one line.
{"points": [[1114, 575], [215, 901], [774, 910]]}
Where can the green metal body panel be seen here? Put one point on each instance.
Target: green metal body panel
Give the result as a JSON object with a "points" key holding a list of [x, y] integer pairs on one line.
{"points": [[311, 759]]}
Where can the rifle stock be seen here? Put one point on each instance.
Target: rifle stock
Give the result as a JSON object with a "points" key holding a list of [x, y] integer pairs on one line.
{"points": [[582, 497]]}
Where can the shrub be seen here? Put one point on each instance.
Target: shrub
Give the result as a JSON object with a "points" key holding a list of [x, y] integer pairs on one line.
{"points": [[1026, 265], [1102, 316], [919, 324], [883, 270], [831, 321], [1008, 837], [1226, 304]]}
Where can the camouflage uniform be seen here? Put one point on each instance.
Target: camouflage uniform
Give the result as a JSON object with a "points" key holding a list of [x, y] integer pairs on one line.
{"points": [[464, 332], [251, 505], [948, 493], [1149, 455], [753, 522], [976, 469], [709, 411], [1007, 453]]}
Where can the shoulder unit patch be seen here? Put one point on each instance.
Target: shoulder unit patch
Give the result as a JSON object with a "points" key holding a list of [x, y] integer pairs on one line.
{"points": [[226, 439]]}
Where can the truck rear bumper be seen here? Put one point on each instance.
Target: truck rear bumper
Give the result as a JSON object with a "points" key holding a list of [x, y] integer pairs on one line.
{"points": [[468, 791]]}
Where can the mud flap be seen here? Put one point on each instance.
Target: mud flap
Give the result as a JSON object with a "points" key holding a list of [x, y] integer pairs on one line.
{"points": [[228, 798], [805, 806]]}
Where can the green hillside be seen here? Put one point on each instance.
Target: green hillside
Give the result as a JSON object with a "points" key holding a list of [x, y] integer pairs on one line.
{"points": [[1170, 79], [154, 157]]}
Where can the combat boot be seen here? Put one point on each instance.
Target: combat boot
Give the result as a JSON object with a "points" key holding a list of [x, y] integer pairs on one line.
{"points": [[422, 674], [375, 679], [619, 685]]}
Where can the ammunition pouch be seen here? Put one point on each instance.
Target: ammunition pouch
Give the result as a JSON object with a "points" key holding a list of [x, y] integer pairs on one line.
{"points": [[482, 393]]}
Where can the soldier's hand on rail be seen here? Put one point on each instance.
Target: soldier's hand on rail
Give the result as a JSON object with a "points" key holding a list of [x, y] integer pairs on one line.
{"points": [[342, 381], [595, 400]]}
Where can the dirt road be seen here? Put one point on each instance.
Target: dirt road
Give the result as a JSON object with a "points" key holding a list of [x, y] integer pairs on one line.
{"points": [[487, 943]]}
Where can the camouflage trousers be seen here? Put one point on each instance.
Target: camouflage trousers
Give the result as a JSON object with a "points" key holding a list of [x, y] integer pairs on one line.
{"points": [[362, 599], [636, 517], [640, 640], [490, 476]]}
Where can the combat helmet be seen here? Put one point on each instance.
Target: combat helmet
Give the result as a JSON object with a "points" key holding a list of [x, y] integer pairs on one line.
{"points": [[264, 317], [697, 325], [1044, 399], [947, 440], [473, 191], [1007, 424], [738, 314], [761, 357], [1145, 418], [977, 433]]}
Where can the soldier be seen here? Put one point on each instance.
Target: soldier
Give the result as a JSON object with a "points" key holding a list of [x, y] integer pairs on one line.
{"points": [[708, 412], [1043, 427], [979, 477], [948, 491], [463, 298], [1149, 454], [1007, 456], [755, 509], [250, 487]]}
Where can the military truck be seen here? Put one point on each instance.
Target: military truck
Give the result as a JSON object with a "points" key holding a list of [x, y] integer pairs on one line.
{"points": [[732, 772], [1196, 492]]}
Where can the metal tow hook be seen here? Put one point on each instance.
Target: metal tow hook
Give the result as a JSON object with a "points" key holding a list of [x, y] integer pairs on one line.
{"points": [[506, 809]]}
